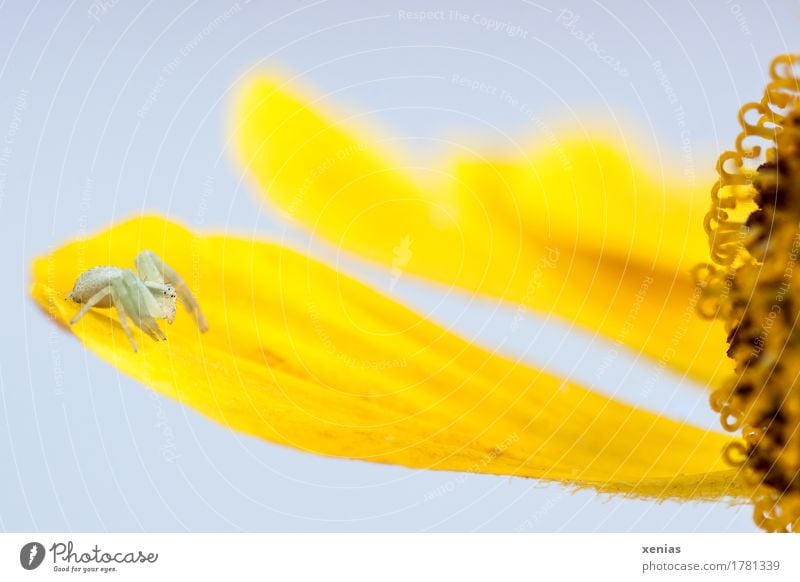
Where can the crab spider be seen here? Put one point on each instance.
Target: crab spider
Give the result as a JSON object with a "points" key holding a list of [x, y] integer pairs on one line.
{"points": [[144, 298]]}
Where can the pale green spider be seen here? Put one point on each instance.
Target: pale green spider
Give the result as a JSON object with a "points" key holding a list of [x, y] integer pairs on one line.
{"points": [[144, 298]]}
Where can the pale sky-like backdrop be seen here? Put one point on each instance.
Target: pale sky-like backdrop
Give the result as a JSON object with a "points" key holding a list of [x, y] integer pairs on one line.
{"points": [[113, 107]]}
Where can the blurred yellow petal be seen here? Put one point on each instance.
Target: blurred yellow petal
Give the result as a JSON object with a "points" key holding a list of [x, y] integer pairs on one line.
{"points": [[582, 230], [301, 355]]}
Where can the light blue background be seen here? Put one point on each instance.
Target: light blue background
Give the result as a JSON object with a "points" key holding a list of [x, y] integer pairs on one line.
{"points": [[111, 108]]}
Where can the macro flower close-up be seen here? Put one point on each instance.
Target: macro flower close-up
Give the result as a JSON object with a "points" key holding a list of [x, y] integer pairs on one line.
{"points": [[337, 268], [303, 355]]}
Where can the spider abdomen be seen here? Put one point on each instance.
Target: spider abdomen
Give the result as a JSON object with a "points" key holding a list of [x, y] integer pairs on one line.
{"points": [[93, 281]]}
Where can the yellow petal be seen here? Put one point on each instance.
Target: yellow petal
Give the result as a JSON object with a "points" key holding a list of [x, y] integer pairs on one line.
{"points": [[301, 355], [579, 230]]}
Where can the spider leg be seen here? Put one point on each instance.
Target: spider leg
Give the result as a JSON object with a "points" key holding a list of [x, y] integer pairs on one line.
{"points": [[151, 268], [93, 300], [150, 307], [138, 303], [123, 319]]}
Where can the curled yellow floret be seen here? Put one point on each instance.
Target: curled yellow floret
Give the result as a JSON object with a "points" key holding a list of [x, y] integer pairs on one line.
{"points": [[754, 235]]}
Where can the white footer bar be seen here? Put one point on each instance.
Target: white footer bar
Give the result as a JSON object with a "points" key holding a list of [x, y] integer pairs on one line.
{"points": [[401, 557]]}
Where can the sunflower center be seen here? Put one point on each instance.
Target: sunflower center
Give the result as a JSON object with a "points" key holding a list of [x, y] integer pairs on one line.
{"points": [[754, 234]]}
